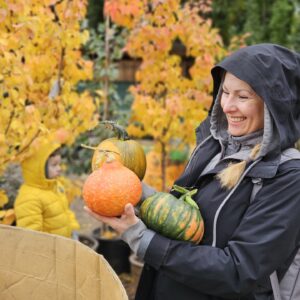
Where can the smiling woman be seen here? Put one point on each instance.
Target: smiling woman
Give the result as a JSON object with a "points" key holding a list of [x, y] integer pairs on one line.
{"points": [[243, 108], [254, 119]]}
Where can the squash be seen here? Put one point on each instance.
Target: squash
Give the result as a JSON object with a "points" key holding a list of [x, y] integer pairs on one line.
{"points": [[107, 190], [178, 219], [129, 152]]}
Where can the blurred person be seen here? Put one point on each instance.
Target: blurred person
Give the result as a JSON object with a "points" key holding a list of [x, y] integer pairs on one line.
{"points": [[41, 203]]}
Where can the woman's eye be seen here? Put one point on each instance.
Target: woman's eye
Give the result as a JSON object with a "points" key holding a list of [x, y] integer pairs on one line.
{"points": [[225, 93], [243, 97]]}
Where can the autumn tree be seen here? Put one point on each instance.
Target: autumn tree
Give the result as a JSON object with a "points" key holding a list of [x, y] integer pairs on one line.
{"points": [[41, 63], [168, 102], [104, 48]]}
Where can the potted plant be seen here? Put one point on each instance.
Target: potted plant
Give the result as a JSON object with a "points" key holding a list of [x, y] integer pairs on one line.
{"points": [[114, 250], [88, 241]]}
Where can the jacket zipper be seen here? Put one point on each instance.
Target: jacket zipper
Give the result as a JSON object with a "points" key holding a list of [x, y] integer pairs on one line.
{"points": [[214, 242]]}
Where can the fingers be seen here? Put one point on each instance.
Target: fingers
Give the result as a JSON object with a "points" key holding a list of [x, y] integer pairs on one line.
{"points": [[129, 210], [127, 219]]}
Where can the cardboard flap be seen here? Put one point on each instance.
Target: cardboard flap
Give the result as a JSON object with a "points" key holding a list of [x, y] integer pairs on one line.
{"points": [[36, 265]]}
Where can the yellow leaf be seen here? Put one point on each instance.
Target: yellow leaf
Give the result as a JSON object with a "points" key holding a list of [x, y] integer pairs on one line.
{"points": [[7, 217]]}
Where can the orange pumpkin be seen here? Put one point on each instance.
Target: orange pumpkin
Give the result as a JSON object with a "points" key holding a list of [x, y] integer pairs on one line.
{"points": [[107, 190], [129, 152]]}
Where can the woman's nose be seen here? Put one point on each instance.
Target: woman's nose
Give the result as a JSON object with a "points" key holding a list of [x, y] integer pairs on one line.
{"points": [[229, 104]]}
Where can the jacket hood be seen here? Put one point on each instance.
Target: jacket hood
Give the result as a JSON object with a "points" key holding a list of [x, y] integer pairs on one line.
{"points": [[274, 74], [34, 167]]}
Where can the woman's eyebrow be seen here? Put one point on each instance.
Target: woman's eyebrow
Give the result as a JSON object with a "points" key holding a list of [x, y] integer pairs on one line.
{"points": [[240, 90]]}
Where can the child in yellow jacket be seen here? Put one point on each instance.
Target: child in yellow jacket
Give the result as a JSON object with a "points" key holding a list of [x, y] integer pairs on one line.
{"points": [[41, 203]]}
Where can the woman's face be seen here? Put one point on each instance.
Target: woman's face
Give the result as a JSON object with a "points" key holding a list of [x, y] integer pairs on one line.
{"points": [[243, 108]]}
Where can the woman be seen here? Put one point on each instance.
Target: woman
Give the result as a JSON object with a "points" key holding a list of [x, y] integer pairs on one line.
{"points": [[254, 117]]}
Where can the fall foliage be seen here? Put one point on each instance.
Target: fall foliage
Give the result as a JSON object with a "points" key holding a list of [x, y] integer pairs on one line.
{"points": [[168, 104], [7, 216], [41, 64]]}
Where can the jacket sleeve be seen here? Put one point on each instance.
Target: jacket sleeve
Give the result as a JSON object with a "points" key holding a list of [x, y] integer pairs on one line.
{"points": [[74, 223], [252, 254], [29, 214]]}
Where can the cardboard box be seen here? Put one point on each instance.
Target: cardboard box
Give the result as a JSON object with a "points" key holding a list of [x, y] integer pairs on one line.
{"points": [[40, 266]]}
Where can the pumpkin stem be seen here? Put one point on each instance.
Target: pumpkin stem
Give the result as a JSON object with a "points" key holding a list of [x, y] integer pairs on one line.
{"points": [[88, 147], [188, 199], [186, 195], [183, 190], [180, 189], [109, 156], [118, 130]]}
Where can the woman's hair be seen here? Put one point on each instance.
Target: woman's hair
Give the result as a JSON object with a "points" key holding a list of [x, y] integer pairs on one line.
{"points": [[231, 175]]}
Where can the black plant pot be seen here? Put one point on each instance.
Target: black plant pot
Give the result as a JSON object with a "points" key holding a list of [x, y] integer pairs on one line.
{"points": [[88, 241], [114, 250]]}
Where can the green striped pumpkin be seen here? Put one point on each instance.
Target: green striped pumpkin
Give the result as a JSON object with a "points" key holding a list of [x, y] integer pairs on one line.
{"points": [[178, 219]]}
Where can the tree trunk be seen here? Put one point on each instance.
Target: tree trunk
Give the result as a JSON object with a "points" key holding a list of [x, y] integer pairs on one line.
{"points": [[106, 77], [163, 167]]}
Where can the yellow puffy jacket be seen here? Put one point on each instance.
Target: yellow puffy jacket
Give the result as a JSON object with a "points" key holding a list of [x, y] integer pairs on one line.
{"points": [[41, 203]]}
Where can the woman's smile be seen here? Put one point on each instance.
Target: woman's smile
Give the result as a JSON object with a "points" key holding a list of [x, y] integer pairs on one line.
{"points": [[235, 120]]}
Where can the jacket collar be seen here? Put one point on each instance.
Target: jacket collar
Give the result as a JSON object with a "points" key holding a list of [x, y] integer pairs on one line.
{"points": [[266, 168]]}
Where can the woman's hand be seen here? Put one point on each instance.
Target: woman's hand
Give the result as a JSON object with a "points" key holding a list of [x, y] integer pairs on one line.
{"points": [[127, 219]]}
